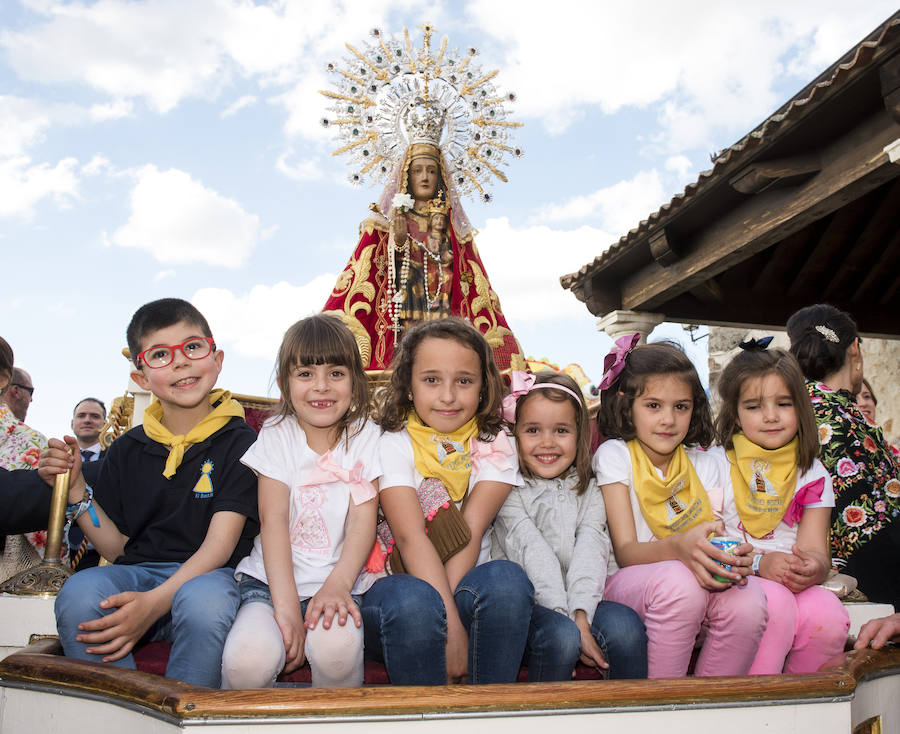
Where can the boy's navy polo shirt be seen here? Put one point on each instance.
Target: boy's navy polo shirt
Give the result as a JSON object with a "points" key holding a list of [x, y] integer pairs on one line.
{"points": [[167, 519]]}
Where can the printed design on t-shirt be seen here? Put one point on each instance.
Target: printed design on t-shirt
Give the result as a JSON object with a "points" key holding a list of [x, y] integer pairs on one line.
{"points": [[203, 487], [761, 483], [309, 530], [674, 506]]}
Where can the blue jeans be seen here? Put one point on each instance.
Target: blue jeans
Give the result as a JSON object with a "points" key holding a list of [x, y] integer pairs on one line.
{"points": [[405, 625], [554, 643], [202, 612]]}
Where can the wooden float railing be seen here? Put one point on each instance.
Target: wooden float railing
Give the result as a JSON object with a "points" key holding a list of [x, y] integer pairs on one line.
{"points": [[37, 667]]}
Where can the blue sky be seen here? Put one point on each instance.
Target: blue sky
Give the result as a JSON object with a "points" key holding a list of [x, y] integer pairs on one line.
{"points": [[172, 148]]}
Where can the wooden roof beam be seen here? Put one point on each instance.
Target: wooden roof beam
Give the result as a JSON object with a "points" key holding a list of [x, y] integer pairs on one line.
{"points": [[851, 167], [883, 265], [889, 75], [879, 221], [765, 175]]}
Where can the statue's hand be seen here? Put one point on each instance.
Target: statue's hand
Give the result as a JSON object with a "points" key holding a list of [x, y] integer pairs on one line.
{"points": [[398, 228]]}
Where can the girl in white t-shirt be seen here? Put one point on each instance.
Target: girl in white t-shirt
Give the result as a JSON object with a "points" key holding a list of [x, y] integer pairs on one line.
{"points": [[318, 469], [454, 615], [778, 497], [654, 478]]}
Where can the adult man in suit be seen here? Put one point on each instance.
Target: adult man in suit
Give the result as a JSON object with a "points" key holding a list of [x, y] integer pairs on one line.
{"points": [[87, 421]]}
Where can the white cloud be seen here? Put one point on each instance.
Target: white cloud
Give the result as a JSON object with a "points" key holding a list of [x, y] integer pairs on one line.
{"points": [[680, 165], [254, 323], [710, 70], [163, 274], [179, 220], [617, 208], [248, 100], [114, 110], [23, 123], [524, 265], [97, 165], [301, 170], [23, 185], [169, 50]]}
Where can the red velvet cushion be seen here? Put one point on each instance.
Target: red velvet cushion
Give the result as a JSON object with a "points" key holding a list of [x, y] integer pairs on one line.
{"points": [[152, 658]]}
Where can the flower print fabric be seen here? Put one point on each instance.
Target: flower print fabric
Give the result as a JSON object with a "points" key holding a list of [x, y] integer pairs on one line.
{"points": [[865, 477], [20, 448]]}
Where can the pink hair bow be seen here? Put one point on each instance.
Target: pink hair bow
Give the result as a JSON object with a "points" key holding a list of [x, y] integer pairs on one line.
{"points": [[807, 495], [497, 452], [328, 470], [614, 362], [519, 384]]}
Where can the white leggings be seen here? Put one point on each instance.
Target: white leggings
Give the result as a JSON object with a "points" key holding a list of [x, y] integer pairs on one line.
{"points": [[254, 651]]}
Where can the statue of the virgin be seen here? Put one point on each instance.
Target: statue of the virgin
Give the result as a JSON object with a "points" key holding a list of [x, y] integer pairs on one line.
{"points": [[431, 126]]}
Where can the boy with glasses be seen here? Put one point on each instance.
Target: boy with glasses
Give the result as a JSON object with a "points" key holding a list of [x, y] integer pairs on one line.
{"points": [[172, 505]]}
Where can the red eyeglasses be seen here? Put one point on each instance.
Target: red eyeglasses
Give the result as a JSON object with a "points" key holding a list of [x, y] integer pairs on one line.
{"points": [[197, 347]]}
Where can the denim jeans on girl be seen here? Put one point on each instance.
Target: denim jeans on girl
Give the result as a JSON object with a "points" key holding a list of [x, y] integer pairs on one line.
{"points": [[203, 610], [554, 643], [405, 624]]}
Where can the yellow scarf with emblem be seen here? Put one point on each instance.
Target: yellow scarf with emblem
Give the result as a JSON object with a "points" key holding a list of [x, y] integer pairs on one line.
{"points": [[447, 456], [225, 408], [673, 504], [763, 481]]}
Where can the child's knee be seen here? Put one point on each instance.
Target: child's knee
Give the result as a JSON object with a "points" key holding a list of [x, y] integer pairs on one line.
{"points": [[743, 609], [82, 593], [207, 601], [254, 654], [781, 605], [335, 654], [673, 589]]}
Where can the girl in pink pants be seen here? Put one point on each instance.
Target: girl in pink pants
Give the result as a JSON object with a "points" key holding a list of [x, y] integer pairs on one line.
{"points": [[654, 477], [778, 497]]}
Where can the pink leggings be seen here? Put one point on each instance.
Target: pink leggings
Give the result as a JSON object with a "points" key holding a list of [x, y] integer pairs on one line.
{"points": [[804, 632], [675, 608]]}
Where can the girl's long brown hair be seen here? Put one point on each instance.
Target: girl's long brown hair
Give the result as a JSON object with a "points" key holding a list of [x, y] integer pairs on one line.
{"points": [[392, 405], [324, 339], [754, 363]]}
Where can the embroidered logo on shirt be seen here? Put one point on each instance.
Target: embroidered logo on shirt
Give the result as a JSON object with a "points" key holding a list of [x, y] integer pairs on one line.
{"points": [[204, 487]]}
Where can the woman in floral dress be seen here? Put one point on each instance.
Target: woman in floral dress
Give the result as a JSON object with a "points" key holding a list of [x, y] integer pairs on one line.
{"points": [[865, 528]]}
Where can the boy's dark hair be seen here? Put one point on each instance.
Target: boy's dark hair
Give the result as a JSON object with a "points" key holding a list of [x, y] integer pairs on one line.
{"points": [[750, 364], [158, 315], [582, 439], [811, 331], [393, 403], [324, 339], [652, 360]]}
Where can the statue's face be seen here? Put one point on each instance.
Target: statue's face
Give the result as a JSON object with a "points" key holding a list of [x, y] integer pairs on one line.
{"points": [[439, 221], [423, 178]]}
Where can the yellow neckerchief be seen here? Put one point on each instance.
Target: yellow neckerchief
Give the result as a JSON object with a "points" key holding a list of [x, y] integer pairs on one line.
{"points": [[763, 481], [447, 456], [217, 418], [673, 504]]}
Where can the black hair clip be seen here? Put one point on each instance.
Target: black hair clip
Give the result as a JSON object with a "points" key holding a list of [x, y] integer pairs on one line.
{"points": [[756, 345]]}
